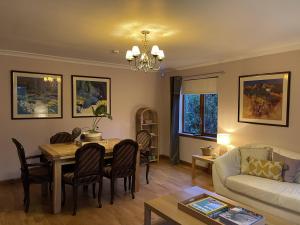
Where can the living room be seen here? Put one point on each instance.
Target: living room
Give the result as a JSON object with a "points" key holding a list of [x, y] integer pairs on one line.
{"points": [[202, 89]]}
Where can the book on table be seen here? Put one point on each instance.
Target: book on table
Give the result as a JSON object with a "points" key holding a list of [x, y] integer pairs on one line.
{"points": [[208, 206], [241, 216]]}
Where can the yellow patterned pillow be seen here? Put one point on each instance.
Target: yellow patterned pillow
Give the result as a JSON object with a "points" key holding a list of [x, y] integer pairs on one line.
{"points": [[264, 168]]}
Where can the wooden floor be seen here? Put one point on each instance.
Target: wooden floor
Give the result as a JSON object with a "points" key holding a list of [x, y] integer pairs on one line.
{"points": [[164, 179]]}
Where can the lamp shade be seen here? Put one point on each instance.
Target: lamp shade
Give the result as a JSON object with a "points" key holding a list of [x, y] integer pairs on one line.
{"points": [[155, 50], [136, 50], [161, 55], [129, 55], [223, 139]]}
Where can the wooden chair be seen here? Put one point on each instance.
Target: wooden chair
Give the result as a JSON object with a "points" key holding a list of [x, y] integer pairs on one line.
{"points": [[65, 137], [123, 165], [89, 161], [37, 173], [143, 138]]}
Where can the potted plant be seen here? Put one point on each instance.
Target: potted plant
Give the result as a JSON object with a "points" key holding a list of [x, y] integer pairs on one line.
{"points": [[93, 134]]}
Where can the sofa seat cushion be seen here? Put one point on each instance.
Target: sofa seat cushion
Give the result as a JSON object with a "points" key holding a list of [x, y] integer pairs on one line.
{"points": [[283, 194]]}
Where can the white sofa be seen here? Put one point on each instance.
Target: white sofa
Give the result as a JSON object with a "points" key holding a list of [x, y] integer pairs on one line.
{"points": [[279, 198]]}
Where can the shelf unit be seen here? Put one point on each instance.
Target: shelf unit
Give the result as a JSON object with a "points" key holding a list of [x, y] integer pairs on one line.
{"points": [[147, 119]]}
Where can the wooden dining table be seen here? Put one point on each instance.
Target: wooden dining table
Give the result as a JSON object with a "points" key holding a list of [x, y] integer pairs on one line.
{"points": [[62, 154]]}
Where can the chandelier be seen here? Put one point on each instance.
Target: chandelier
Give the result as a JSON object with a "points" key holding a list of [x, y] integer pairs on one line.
{"points": [[145, 60]]}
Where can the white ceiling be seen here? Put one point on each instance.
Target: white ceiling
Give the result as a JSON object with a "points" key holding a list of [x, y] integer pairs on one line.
{"points": [[192, 32]]}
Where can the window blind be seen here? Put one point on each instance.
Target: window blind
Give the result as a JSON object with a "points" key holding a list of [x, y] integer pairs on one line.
{"points": [[199, 86]]}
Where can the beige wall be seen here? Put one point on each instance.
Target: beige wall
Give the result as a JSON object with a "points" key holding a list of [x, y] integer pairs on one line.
{"points": [[243, 133], [130, 90]]}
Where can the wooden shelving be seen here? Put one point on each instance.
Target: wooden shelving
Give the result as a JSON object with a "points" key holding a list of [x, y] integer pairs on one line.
{"points": [[147, 119]]}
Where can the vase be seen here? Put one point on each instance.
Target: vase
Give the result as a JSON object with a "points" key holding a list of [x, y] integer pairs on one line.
{"points": [[89, 136]]}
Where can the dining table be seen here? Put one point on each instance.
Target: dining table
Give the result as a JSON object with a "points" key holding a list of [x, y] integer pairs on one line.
{"points": [[64, 153]]}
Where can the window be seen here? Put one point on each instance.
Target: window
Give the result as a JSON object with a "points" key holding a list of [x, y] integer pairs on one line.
{"points": [[200, 114]]}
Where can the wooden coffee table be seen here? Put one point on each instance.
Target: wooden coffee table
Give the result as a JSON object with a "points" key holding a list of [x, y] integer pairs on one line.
{"points": [[166, 207]]}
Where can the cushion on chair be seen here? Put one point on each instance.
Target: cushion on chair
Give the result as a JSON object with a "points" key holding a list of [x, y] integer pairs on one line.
{"points": [[283, 194], [40, 171], [69, 178], [264, 153]]}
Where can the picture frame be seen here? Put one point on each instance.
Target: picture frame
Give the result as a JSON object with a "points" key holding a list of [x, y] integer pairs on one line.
{"points": [[36, 95], [264, 99], [89, 92]]}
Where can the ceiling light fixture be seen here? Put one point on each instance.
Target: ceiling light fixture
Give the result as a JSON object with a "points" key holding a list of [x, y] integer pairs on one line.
{"points": [[145, 60]]}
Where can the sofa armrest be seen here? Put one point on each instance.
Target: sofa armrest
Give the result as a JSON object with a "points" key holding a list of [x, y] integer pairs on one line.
{"points": [[228, 164]]}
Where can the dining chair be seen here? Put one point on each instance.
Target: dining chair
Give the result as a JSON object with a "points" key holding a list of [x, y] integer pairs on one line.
{"points": [[65, 137], [37, 173], [143, 138], [89, 161], [123, 165]]}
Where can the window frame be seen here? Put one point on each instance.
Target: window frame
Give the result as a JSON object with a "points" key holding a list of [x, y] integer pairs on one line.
{"points": [[202, 135]]}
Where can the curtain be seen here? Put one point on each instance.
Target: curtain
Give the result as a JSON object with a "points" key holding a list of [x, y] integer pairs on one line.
{"points": [[175, 87]]}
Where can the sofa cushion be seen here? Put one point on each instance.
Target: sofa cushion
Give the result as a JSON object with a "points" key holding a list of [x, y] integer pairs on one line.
{"points": [[263, 153], [265, 168], [283, 194], [293, 167]]}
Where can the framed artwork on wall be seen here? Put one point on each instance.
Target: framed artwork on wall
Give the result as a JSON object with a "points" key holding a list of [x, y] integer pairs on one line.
{"points": [[264, 99], [36, 95], [88, 93]]}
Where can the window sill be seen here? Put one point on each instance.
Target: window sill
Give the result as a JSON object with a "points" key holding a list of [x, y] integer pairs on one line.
{"points": [[206, 138]]}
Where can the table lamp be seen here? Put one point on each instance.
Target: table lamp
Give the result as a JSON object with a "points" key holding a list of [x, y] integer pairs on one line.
{"points": [[223, 139]]}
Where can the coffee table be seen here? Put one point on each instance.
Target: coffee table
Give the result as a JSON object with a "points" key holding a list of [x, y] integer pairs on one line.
{"points": [[166, 207]]}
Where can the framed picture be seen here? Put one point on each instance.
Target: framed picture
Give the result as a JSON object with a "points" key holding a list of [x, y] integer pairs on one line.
{"points": [[264, 99], [36, 95], [89, 93]]}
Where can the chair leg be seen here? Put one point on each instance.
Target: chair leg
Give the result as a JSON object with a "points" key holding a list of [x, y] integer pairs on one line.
{"points": [[129, 183], [63, 188], [147, 172], [75, 195], [94, 190], [27, 197], [100, 193], [125, 184], [112, 190], [133, 187]]}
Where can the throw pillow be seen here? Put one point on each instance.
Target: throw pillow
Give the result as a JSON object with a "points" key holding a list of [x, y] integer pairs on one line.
{"points": [[258, 153], [293, 166], [265, 168]]}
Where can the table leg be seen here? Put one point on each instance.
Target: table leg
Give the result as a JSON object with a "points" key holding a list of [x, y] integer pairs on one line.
{"points": [[147, 215], [56, 186], [137, 172], [193, 167]]}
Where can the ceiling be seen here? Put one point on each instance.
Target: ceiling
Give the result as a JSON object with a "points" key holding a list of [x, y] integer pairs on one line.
{"points": [[191, 32]]}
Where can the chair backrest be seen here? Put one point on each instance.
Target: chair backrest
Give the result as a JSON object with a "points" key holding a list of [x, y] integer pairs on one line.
{"points": [[124, 158], [21, 154], [89, 161], [75, 133], [143, 138], [61, 137]]}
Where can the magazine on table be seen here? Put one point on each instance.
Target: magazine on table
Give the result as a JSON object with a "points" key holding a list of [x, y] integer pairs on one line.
{"points": [[241, 216], [208, 206]]}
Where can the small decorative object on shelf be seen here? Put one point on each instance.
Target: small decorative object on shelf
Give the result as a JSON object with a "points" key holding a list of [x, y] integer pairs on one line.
{"points": [[147, 119], [214, 155]]}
